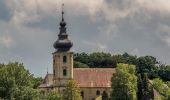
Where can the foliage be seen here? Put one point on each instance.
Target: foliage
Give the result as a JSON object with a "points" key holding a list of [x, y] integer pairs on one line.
{"points": [[53, 96], [17, 83], [145, 84], [37, 81], [72, 92], [95, 60], [140, 87], [13, 75], [80, 65], [162, 88], [124, 83], [101, 60], [164, 71], [144, 64], [81, 57], [125, 58], [26, 93], [168, 84]]}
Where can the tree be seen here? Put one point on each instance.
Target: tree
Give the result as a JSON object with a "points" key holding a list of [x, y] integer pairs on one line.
{"points": [[124, 83], [146, 64], [81, 57], [94, 60], [80, 65], [164, 71], [126, 58], [13, 75], [162, 88], [140, 87], [53, 96], [101, 60], [72, 92], [105, 96], [26, 93], [17, 83], [36, 82], [145, 84]]}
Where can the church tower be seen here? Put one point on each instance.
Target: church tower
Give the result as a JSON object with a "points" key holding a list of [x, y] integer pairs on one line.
{"points": [[62, 57]]}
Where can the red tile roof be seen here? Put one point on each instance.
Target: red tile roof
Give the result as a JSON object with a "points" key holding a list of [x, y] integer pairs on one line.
{"points": [[93, 77]]}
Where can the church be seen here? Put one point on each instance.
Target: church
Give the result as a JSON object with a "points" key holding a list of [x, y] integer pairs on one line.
{"points": [[93, 82]]}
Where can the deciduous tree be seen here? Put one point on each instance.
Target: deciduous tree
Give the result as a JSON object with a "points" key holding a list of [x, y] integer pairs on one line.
{"points": [[124, 83], [72, 92]]}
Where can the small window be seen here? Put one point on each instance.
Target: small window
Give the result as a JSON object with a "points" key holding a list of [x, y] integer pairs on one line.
{"points": [[82, 94], [97, 92], [53, 61], [64, 59], [64, 72]]}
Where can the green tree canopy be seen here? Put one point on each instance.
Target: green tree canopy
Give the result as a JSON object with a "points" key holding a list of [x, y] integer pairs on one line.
{"points": [[162, 88], [146, 64], [164, 72], [124, 83], [53, 96], [80, 65], [72, 92], [94, 60], [17, 83]]}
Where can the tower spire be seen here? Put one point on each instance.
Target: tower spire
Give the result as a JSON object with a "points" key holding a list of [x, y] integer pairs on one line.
{"points": [[47, 70], [63, 43], [62, 12]]}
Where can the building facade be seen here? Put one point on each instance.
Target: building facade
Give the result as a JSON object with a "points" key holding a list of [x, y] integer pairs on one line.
{"points": [[93, 82]]}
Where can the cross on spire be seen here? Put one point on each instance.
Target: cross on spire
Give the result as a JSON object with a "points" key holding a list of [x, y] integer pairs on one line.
{"points": [[62, 12]]}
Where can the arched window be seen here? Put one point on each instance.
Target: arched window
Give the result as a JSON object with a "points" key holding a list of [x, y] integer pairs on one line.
{"points": [[64, 72], [64, 59], [53, 61], [82, 94], [97, 92], [54, 72]]}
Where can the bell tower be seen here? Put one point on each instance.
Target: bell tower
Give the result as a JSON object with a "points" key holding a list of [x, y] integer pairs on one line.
{"points": [[62, 57]]}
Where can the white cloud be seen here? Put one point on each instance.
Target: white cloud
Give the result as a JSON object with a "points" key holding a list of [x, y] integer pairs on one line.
{"points": [[157, 5], [6, 41], [117, 27], [135, 51], [96, 46], [34, 10], [164, 34]]}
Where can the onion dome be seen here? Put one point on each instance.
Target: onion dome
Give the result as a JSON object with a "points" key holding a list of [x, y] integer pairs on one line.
{"points": [[63, 43]]}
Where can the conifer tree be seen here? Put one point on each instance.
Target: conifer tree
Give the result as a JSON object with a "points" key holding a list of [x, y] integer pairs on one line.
{"points": [[145, 84], [140, 87]]}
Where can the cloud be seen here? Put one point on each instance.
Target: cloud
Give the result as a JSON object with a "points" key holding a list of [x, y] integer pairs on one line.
{"points": [[6, 41], [28, 11], [97, 47], [135, 51], [164, 33], [28, 30], [156, 5]]}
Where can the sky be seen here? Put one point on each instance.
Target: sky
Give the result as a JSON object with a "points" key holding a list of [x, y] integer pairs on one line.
{"points": [[28, 29]]}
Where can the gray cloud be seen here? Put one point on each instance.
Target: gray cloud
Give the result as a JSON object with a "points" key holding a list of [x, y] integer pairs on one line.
{"points": [[5, 13], [29, 27]]}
